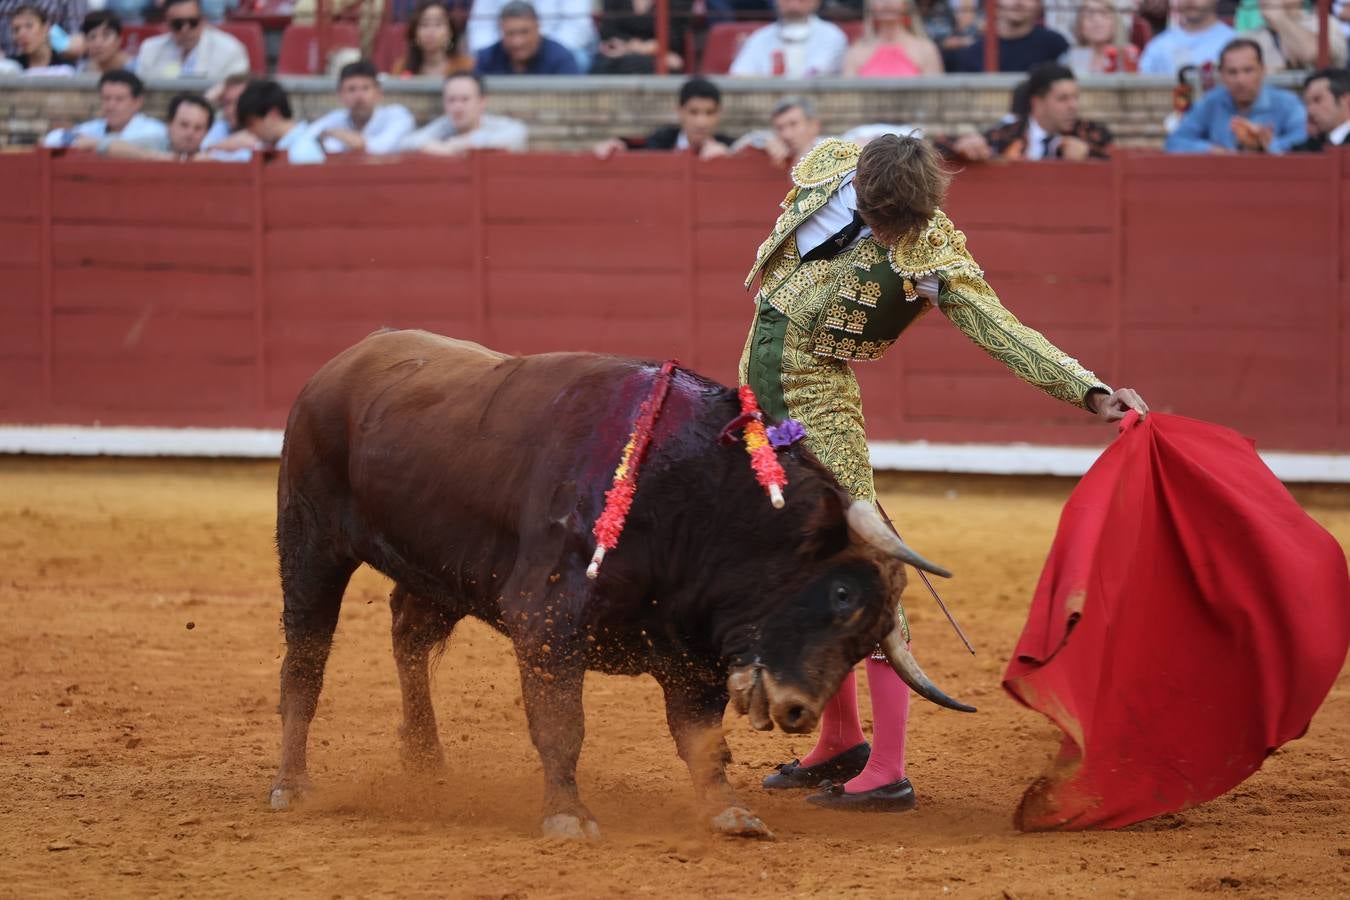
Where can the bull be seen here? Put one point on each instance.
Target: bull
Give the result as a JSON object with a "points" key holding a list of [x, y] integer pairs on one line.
{"points": [[472, 479]]}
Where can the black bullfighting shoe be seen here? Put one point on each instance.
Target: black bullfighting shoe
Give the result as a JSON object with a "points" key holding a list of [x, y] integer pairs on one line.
{"points": [[837, 768], [898, 796]]}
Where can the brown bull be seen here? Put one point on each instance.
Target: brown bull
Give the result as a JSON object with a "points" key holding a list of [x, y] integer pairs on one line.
{"points": [[473, 479]]}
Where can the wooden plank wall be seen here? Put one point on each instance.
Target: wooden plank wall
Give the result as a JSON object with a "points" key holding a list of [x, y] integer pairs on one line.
{"points": [[158, 294]]}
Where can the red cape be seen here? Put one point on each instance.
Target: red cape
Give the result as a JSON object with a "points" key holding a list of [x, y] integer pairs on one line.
{"points": [[1190, 619]]}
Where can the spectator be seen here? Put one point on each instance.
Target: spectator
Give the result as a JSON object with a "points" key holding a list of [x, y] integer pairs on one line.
{"points": [[1326, 93], [628, 37], [265, 110], [1099, 39], [1022, 43], [190, 117], [567, 22], [63, 15], [191, 48], [363, 125], [32, 37], [1048, 127], [435, 43], [1244, 114], [700, 106], [794, 129], [893, 45], [951, 24], [522, 49], [467, 125], [103, 51], [120, 100], [1196, 39], [799, 45], [1288, 36], [225, 135]]}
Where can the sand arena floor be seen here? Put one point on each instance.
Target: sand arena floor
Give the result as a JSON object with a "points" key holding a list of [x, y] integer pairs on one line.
{"points": [[139, 650]]}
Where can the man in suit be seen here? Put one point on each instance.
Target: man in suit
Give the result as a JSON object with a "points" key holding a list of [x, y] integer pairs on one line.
{"points": [[696, 130], [1048, 126], [1326, 94]]}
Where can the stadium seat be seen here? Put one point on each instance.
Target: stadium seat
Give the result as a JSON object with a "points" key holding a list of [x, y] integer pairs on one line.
{"points": [[724, 41], [135, 35], [1140, 32], [250, 34], [300, 47], [390, 45]]}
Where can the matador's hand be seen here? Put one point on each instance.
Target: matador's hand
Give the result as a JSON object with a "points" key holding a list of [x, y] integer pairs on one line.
{"points": [[1112, 407]]}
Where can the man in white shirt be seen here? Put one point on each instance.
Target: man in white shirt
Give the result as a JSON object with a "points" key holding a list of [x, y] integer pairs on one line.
{"points": [[265, 110], [191, 48], [467, 125], [190, 117], [363, 125], [120, 97], [568, 22], [799, 45], [1196, 39]]}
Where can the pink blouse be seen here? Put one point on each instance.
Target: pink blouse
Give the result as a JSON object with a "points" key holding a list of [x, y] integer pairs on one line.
{"points": [[888, 61]]}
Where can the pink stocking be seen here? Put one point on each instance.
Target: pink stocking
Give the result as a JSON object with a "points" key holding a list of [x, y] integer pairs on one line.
{"points": [[840, 729], [890, 711]]}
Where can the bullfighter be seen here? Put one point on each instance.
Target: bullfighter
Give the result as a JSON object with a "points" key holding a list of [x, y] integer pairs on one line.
{"points": [[860, 252]]}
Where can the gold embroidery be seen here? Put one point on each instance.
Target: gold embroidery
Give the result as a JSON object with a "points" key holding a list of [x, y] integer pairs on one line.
{"points": [[834, 316], [938, 247], [868, 254], [829, 159], [857, 320], [869, 293], [848, 286]]}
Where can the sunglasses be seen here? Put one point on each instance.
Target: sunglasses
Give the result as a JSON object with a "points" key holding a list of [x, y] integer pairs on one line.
{"points": [[180, 24]]}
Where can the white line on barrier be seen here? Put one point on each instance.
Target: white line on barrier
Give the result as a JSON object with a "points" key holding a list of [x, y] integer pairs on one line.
{"points": [[916, 456]]}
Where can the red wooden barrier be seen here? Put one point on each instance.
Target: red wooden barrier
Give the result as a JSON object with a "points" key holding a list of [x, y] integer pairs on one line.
{"points": [[159, 294]]}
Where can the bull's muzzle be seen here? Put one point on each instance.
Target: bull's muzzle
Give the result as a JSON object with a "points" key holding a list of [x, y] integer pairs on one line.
{"points": [[757, 694]]}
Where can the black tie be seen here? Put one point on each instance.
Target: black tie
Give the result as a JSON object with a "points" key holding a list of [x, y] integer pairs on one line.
{"points": [[830, 247], [1045, 146]]}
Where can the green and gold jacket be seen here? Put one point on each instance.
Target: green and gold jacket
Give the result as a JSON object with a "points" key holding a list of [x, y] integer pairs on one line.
{"points": [[813, 318]]}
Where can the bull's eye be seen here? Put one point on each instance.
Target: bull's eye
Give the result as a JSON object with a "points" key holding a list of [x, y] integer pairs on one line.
{"points": [[843, 599]]}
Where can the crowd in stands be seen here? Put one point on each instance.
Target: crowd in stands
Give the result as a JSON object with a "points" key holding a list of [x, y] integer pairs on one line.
{"points": [[783, 38], [243, 114]]}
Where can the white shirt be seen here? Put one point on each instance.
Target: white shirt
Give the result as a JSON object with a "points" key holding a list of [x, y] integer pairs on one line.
{"points": [[216, 56], [300, 147], [384, 133], [140, 130], [1172, 50], [811, 48], [1036, 144], [1338, 134], [493, 133], [568, 22]]}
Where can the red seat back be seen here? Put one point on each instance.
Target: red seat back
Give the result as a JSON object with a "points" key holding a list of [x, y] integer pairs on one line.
{"points": [[390, 45], [724, 42], [300, 47], [135, 35], [250, 34]]}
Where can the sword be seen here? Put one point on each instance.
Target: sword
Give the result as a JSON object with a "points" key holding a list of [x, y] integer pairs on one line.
{"points": [[932, 590]]}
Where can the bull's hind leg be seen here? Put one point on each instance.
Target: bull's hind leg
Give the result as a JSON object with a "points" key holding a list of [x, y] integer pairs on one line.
{"points": [[694, 714], [419, 626], [313, 579]]}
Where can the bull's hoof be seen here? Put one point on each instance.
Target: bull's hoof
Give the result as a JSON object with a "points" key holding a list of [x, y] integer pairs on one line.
{"points": [[571, 828], [286, 794], [735, 821]]}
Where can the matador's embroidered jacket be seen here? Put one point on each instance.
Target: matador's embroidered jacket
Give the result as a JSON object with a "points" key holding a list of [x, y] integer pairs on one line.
{"points": [[813, 318]]}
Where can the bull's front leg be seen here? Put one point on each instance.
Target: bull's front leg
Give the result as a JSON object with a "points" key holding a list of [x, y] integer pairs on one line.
{"points": [[694, 714], [550, 682]]}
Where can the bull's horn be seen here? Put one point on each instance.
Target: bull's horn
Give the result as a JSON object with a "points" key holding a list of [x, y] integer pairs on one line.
{"points": [[865, 522], [907, 667]]}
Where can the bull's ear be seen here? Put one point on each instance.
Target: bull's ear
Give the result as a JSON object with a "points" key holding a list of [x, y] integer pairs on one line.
{"points": [[826, 530]]}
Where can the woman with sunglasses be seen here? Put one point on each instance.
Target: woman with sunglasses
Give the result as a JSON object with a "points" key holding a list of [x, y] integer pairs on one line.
{"points": [[191, 47]]}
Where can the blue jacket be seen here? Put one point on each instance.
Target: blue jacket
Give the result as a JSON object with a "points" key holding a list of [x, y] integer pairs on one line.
{"points": [[552, 59], [1207, 122]]}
